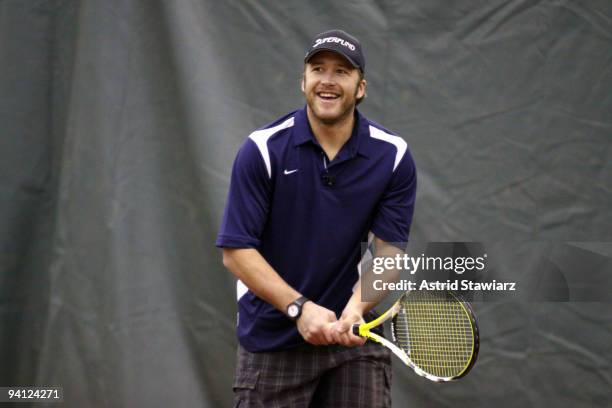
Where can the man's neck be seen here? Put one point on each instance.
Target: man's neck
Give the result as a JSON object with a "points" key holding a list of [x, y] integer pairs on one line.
{"points": [[332, 137]]}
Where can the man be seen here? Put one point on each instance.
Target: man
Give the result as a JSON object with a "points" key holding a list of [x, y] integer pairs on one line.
{"points": [[305, 192]]}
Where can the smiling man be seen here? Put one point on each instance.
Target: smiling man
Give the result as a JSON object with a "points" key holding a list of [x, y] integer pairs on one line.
{"points": [[306, 191]]}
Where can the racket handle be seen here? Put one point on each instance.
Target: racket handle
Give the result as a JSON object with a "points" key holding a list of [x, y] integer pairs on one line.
{"points": [[356, 329]]}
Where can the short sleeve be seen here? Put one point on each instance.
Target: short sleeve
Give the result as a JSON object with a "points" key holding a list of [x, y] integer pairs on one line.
{"points": [[247, 205], [394, 211]]}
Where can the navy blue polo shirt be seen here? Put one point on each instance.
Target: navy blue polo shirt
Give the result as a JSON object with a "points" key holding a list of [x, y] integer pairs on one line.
{"points": [[307, 216]]}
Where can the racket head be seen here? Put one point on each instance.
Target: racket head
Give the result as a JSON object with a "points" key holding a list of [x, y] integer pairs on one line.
{"points": [[438, 332]]}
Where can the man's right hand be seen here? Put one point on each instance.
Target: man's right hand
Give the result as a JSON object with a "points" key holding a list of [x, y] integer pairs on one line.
{"points": [[314, 324]]}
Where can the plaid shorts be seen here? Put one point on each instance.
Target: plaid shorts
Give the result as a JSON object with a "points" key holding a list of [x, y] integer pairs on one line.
{"points": [[314, 376]]}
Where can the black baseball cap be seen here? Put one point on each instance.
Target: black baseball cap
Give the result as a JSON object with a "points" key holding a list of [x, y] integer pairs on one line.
{"points": [[341, 42]]}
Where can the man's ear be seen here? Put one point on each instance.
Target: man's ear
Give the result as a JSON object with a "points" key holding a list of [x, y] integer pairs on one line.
{"points": [[302, 83], [361, 88]]}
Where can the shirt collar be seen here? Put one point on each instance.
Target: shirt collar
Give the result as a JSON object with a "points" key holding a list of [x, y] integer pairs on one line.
{"points": [[355, 144]]}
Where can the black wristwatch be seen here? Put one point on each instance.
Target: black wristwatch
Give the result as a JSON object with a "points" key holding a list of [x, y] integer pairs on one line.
{"points": [[294, 309]]}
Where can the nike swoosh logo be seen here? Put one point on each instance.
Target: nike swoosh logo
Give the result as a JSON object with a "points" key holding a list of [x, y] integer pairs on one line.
{"points": [[290, 171]]}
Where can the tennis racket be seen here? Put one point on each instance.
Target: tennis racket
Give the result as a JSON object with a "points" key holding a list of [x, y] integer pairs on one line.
{"points": [[434, 332]]}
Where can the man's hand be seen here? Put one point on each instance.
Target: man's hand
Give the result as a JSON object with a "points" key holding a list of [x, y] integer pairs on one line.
{"points": [[343, 329], [315, 324]]}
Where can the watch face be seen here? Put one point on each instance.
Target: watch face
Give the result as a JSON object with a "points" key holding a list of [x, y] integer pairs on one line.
{"points": [[293, 310]]}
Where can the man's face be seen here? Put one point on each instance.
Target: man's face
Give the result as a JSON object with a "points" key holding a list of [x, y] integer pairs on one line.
{"points": [[331, 86]]}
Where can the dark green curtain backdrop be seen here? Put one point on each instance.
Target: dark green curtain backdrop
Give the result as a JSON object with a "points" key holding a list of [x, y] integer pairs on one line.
{"points": [[119, 123]]}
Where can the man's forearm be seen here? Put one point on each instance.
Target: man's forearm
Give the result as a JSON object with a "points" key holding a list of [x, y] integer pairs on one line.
{"points": [[355, 303], [258, 275]]}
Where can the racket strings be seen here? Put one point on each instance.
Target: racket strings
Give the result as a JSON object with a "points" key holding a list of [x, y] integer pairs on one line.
{"points": [[436, 332]]}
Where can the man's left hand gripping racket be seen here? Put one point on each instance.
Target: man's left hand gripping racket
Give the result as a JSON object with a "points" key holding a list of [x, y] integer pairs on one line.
{"points": [[434, 332]]}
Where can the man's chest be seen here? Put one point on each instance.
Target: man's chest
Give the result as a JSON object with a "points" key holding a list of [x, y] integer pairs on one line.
{"points": [[305, 177]]}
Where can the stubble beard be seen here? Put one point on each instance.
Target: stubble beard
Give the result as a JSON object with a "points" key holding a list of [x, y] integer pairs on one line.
{"points": [[346, 110]]}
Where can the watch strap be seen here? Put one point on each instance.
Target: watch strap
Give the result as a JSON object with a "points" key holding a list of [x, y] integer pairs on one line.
{"points": [[300, 301]]}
